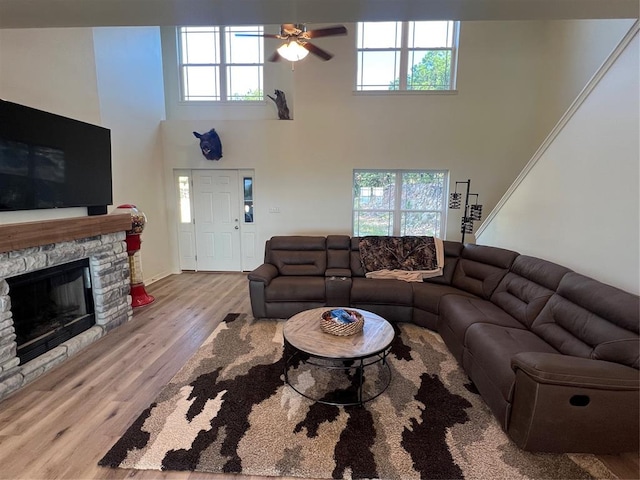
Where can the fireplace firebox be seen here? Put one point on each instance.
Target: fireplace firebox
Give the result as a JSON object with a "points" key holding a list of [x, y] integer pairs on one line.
{"points": [[50, 306]]}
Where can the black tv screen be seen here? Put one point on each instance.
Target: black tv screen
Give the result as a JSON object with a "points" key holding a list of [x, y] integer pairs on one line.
{"points": [[51, 161]]}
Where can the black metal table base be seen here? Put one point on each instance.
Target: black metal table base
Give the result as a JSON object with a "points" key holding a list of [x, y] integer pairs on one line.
{"points": [[358, 365]]}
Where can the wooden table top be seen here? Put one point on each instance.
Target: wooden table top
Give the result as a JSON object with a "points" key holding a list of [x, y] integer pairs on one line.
{"points": [[304, 333]]}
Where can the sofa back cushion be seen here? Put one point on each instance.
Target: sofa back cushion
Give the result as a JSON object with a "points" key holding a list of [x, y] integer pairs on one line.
{"points": [[480, 269], [589, 319], [355, 262], [527, 287], [338, 251], [298, 255], [452, 252]]}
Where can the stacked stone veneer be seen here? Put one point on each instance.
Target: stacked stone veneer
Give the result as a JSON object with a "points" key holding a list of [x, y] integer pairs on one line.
{"points": [[110, 273]]}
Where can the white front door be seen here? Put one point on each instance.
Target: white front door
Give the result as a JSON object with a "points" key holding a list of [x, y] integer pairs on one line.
{"points": [[217, 223]]}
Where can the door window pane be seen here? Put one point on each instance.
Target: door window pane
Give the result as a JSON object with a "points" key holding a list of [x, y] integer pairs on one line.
{"points": [[185, 199], [248, 199]]}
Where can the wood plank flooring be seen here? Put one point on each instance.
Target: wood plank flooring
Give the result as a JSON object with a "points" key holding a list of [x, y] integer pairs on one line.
{"points": [[61, 425]]}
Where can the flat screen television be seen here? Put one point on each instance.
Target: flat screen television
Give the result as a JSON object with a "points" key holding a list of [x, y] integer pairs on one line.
{"points": [[50, 161]]}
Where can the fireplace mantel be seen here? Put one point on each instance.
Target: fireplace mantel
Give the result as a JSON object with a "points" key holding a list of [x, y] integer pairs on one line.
{"points": [[16, 236]]}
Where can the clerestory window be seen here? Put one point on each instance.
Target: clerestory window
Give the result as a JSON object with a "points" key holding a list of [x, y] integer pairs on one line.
{"points": [[399, 202], [407, 56], [218, 66]]}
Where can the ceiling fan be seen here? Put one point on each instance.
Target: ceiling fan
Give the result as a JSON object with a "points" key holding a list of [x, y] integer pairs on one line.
{"points": [[297, 44]]}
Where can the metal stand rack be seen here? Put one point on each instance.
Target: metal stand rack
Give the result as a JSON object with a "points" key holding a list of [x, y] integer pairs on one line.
{"points": [[471, 212]]}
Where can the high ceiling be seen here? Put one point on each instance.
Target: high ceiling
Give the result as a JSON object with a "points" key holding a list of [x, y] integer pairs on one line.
{"points": [[82, 13]]}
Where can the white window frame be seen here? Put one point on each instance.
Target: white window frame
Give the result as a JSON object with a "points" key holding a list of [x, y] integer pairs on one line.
{"points": [[404, 60], [222, 65], [397, 210]]}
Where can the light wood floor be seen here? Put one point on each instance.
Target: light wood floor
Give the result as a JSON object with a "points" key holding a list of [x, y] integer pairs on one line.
{"points": [[59, 426]]}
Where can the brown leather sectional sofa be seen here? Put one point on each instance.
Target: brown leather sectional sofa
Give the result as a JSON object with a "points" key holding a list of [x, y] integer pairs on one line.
{"points": [[553, 353]]}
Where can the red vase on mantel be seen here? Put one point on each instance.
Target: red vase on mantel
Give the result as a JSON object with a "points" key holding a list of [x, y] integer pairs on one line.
{"points": [[139, 296]]}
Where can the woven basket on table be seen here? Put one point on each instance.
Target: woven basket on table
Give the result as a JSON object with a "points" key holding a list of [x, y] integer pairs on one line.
{"points": [[329, 324]]}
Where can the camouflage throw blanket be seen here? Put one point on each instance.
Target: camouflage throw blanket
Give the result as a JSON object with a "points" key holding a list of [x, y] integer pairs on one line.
{"points": [[398, 253]]}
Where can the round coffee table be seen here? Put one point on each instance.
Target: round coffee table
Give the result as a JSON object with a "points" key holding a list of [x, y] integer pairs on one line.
{"points": [[305, 342]]}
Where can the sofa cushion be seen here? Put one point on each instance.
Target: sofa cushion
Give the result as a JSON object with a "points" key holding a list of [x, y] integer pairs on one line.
{"points": [[589, 319], [381, 291], [480, 269], [452, 252], [338, 251], [458, 313], [490, 347], [542, 272], [354, 260], [288, 288], [527, 287], [428, 296], [298, 255]]}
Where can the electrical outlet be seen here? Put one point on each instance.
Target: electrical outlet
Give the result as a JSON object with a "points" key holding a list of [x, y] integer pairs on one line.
{"points": [[274, 209]]}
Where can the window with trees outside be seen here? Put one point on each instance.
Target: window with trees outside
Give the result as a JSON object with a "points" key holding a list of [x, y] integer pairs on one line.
{"points": [[409, 56], [216, 65], [399, 202]]}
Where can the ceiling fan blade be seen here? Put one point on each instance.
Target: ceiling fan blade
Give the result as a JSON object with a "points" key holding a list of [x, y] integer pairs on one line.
{"points": [[327, 32], [275, 57], [323, 54], [265, 35]]}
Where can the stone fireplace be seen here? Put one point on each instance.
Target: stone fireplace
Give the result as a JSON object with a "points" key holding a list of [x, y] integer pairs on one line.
{"points": [[98, 244]]}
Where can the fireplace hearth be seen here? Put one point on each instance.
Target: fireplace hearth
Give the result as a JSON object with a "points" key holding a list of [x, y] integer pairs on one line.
{"points": [[50, 306], [46, 318]]}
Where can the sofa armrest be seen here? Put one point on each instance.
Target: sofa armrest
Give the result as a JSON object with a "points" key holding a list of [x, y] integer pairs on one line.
{"points": [[338, 272], [264, 273], [558, 369]]}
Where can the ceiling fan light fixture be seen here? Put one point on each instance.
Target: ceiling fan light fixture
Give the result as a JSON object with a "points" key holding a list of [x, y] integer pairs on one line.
{"points": [[292, 51]]}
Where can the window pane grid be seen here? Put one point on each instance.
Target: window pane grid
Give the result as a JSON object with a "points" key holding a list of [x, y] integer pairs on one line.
{"points": [[201, 83], [420, 56], [378, 70], [244, 83], [429, 70], [244, 50], [399, 202], [216, 65]]}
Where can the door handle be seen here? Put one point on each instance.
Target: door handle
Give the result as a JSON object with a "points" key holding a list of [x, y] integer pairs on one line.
{"points": [[236, 227]]}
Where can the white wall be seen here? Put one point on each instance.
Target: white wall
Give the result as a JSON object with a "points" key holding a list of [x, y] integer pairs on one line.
{"points": [[106, 76], [583, 45], [52, 70], [129, 72], [579, 203], [486, 132]]}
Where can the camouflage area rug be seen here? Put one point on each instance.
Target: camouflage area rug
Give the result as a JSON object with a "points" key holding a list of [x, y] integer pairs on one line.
{"points": [[229, 411]]}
